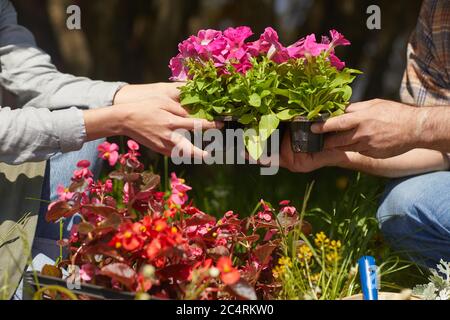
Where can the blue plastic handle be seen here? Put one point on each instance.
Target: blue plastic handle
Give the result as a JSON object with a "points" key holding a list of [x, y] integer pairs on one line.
{"points": [[369, 277]]}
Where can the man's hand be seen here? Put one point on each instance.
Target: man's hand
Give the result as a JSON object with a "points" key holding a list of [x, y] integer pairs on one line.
{"points": [[375, 128], [141, 92], [307, 162]]}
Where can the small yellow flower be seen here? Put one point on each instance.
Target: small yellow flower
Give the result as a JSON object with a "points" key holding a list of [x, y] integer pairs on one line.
{"points": [[304, 252], [285, 261], [277, 272], [304, 255], [342, 183], [283, 264], [315, 277], [332, 256], [321, 239], [335, 244]]}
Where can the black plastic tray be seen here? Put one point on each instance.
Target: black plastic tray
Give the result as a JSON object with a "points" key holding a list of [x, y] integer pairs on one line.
{"points": [[94, 292]]}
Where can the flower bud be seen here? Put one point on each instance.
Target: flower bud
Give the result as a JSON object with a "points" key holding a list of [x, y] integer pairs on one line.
{"points": [[148, 271], [214, 272], [143, 296]]}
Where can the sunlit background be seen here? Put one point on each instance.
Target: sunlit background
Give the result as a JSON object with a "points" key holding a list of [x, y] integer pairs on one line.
{"points": [[133, 40]]}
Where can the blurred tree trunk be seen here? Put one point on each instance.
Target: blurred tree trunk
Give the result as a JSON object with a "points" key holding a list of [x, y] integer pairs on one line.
{"points": [[100, 20], [164, 32], [34, 16], [134, 40], [72, 43]]}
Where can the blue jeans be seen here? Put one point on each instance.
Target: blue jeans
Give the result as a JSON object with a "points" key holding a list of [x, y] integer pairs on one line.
{"points": [[59, 171], [414, 217]]}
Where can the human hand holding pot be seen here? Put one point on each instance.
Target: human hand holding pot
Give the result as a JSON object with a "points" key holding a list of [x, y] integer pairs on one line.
{"points": [[153, 122], [307, 162], [140, 92], [375, 128]]}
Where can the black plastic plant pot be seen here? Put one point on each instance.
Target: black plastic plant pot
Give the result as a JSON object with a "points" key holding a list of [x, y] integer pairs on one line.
{"points": [[232, 123], [302, 138], [229, 123], [83, 291]]}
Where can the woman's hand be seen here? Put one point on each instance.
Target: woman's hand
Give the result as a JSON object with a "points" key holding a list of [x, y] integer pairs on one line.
{"points": [[152, 122], [141, 92]]}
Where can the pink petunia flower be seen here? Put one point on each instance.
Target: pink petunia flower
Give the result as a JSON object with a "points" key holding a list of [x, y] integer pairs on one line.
{"points": [[269, 43], [179, 70], [237, 36], [313, 48], [268, 39], [210, 42], [336, 62], [338, 39]]}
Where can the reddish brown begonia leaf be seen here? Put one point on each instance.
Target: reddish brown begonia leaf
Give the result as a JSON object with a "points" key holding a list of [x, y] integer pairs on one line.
{"points": [[264, 252], [51, 271], [106, 250], [150, 181], [120, 272], [85, 228], [219, 251], [242, 290], [128, 177], [199, 219], [60, 209], [178, 272]]}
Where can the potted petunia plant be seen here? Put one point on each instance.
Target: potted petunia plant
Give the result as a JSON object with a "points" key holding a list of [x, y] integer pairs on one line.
{"points": [[262, 83]]}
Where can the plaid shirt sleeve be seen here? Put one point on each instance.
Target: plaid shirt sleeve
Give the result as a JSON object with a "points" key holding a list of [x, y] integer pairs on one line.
{"points": [[426, 81]]}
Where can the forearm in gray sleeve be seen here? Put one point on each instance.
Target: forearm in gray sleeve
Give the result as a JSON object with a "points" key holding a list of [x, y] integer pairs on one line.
{"points": [[29, 72], [31, 135]]}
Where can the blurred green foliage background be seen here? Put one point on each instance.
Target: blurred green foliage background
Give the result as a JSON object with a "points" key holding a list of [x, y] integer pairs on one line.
{"points": [[133, 40]]}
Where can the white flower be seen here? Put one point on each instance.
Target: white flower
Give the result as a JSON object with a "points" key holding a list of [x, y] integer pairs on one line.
{"points": [[439, 286], [444, 294], [214, 272], [148, 271]]}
